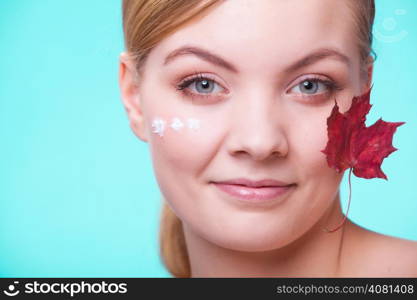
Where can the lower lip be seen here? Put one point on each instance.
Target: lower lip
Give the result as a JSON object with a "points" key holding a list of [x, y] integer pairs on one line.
{"points": [[254, 195]]}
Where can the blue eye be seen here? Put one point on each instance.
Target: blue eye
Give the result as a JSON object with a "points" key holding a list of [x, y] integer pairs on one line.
{"points": [[204, 86], [200, 83], [200, 86], [315, 88], [310, 86]]}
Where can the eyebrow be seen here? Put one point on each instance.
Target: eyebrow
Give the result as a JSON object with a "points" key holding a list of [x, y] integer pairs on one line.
{"points": [[203, 54], [316, 56], [215, 59]]}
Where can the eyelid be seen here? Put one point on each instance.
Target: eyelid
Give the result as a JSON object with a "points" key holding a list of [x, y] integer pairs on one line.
{"points": [[201, 75]]}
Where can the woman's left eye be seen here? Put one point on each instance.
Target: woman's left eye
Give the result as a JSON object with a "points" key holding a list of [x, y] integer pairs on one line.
{"points": [[313, 86]]}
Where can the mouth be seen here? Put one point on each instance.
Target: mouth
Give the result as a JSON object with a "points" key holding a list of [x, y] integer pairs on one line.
{"points": [[256, 192]]}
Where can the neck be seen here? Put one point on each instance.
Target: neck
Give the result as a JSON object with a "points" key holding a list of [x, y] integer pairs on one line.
{"points": [[315, 254]]}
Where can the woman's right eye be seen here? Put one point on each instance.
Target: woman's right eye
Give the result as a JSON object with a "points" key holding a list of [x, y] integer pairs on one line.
{"points": [[200, 86]]}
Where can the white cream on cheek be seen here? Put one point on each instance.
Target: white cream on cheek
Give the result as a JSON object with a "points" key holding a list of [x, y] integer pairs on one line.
{"points": [[159, 125], [177, 124]]}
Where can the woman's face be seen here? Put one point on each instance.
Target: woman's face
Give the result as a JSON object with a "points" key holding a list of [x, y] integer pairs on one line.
{"points": [[261, 99]]}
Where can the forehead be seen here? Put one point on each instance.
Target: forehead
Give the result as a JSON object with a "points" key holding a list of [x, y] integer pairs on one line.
{"points": [[254, 33]]}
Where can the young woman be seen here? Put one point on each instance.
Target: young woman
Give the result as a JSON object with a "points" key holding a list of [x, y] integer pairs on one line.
{"points": [[233, 98]]}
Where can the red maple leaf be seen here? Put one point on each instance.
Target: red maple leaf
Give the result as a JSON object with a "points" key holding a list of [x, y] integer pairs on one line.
{"points": [[353, 145]]}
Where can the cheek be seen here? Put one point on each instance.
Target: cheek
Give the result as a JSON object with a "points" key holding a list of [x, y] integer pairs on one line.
{"points": [[309, 137], [319, 182], [180, 156], [184, 147]]}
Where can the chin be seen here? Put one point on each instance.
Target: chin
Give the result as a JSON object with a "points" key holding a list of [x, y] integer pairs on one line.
{"points": [[253, 245], [250, 240]]}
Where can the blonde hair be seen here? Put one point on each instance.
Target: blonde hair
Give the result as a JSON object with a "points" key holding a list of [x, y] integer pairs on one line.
{"points": [[363, 16], [145, 24]]}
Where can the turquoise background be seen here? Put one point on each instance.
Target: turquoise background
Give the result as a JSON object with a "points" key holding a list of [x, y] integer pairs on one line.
{"points": [[78, 196]]}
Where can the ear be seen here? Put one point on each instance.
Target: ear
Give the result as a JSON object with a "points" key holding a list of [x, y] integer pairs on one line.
{"points": [[369, 72], [130, 95]]}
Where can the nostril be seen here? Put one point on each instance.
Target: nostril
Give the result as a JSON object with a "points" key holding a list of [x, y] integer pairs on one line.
{"points": [[257, 145], [258, 155], [276, 154]]}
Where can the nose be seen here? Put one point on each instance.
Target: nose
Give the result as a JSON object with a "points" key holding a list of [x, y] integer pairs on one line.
{"points": [[257, 129]]}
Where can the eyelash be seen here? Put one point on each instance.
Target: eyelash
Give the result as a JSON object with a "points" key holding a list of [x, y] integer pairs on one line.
{"points": [[197, 77], [331, 86]]}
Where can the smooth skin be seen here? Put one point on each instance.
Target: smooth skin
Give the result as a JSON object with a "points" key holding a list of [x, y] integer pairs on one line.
{"points": [[263, 111]]}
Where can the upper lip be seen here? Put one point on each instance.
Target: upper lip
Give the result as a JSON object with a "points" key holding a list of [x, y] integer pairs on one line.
{"points": [[255, 183]]}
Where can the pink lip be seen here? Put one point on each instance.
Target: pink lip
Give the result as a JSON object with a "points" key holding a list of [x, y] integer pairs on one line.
{"points": [[255, 183], [254, 191]]}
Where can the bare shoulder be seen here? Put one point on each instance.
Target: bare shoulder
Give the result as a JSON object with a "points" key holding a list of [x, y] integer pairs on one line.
{"points": [[397, 256], [380, 255]]}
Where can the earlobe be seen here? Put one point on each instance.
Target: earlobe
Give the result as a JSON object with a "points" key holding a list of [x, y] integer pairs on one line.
{"points": [[369, 73], [130, 96]]}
